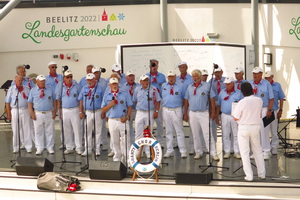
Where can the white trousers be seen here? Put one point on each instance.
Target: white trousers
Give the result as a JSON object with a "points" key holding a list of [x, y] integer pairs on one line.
{"points": [[265, 134], [44, 126], [117, 131], [131, 127], [250, 134], [72, 134], [159, 127], [229, 133], [24, 128], [199, 121], [174, 123], [90, 115], [274, 132]]}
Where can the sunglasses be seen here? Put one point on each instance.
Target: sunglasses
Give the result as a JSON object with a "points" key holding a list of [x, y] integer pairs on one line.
{"points": [[69, 76], [54, 67]]}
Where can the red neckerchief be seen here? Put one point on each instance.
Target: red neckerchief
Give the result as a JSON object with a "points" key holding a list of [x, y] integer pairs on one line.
{"points": [[196, 86], [54, 76], [228, 93], [255, 87], [42, 92], [154, 80], [218, 85], [115, 96], [182, 77], [272, 81], [29, 83], [131, 88], [239, 84], [154, 96], [21, 90], [172, 89], [68, 88], [90, 91]]}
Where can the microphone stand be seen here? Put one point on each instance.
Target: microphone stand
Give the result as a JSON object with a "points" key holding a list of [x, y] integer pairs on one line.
{"points": [[94, 122], [209, 127], [62, 132], [126, 151], [86, 166], [18, 130]]}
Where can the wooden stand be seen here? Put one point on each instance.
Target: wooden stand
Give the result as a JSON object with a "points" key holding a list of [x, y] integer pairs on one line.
{"points": [[139, 158]]}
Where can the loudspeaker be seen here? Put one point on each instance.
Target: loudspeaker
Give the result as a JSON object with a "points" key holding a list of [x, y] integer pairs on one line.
{"points": [[30, 166], [109, 170], [193, 178]]}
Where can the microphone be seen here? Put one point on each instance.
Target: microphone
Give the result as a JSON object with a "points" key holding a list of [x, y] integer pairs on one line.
{"points": [[65, 68], [102, 70], [27, 66], [215, 66], [152, 64]]}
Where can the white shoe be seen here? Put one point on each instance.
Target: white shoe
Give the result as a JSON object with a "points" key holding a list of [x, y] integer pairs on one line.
{"points": [[215, 158], [38, 152], [111, 154], [68, 151], [169, 154], [248, 179], [61, 147], [85, 153], [29, 150], [274, 151], [183, 155], [79, 152], [266, 156], [97, 152], [148, 155], [16, 151], [197, 156], [237, 155], [192, 152], [252, 157], [226, 155], [51, 151], [22, 146]]}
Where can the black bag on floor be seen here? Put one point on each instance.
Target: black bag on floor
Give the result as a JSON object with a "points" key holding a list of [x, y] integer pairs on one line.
{"points": [[57, 182]]}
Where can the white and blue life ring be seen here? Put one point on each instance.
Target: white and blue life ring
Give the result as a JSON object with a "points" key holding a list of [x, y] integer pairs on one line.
{"points": [[136, 147]]}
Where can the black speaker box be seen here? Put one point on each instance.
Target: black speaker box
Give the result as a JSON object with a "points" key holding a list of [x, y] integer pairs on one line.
{"points": [[193, 178], [108, 170], [30, 166]]}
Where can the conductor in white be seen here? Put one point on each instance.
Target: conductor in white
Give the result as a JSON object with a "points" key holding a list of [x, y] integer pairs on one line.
{"points": [[248, 115]]}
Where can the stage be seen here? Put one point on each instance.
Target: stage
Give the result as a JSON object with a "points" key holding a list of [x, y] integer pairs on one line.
{"points": [[282, 178]]}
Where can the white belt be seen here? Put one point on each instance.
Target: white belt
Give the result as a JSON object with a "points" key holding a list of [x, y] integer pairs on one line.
{"points": [[144, 110], [93, 110], [43, 112]]}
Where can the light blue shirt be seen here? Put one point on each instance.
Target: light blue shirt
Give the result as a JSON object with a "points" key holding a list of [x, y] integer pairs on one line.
{"points": [[236, 84], [186, 81], [226, 105], [50, 81], [175, 100], [126, 87], [13, 93], [140, 97], [70, 101], [42, 104], [278, 95], [160, 80], [26, 82], [214, 86], [92, 102], [102, 82], [264, 91], [199, 102], [118, 110]]}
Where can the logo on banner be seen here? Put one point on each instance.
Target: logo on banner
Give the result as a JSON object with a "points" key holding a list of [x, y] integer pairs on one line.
{"points": [[90, 26], [296, 28]]}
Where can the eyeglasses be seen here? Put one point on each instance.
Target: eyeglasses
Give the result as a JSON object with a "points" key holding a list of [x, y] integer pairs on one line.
{"points": [[54, 67], [69, 76]]}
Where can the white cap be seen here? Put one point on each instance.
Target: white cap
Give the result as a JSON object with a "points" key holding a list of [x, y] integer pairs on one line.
{"points": [[171, 73], [204, 72], [95, 69], [40, 77], [68, 72], [238, 70], [116, 67], [257, 70], [90, 76], [228, 79], [52, 63], [182, 63], [143, 77], [129, 73], [113, 80], [218, 69], [268, 74]]}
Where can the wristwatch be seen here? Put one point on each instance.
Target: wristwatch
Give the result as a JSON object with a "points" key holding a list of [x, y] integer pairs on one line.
{"points": [[156, 111]]}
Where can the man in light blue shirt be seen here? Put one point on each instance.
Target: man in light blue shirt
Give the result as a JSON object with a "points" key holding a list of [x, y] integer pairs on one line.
{"points": [[116, 105], [90, 98], [277, 109], [184, 78], [172, 95], [239, 75], [17, 111], [42, 109], [67, 93], [53, 78], [196, 111], [226, 98], [263, 89]]}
